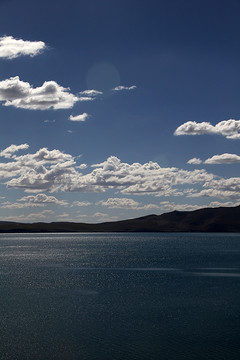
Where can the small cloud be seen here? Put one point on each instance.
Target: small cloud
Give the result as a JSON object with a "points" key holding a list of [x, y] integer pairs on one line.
{"points": [[11, 48], [223, 204], [195, 161], [223, 159], [126, 203], [120, 88], [49, 121], [70, 131], [228, 128], [171, 206], [91, 93], [99, 216], [10, 150], [120, 203], [33, 201], [81, 203], [43, 199], [30, 217], [85, 98], [82, 166], [80, 117], [64, 216]]}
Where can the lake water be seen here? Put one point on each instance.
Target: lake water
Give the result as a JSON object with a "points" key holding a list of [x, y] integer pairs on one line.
{"points": [[120, 296]]}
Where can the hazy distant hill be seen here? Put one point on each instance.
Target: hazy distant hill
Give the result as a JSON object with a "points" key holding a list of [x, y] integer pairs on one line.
{"points": [[223, 219]]}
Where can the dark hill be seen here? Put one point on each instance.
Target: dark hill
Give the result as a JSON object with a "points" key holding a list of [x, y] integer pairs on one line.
{"points": [[222, 219]]}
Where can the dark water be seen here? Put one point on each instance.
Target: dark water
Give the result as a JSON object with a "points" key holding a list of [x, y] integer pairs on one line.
{"points": [[120, 296]]}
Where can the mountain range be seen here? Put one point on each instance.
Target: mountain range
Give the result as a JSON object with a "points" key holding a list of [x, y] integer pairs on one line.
{"points": [[222, 219]]}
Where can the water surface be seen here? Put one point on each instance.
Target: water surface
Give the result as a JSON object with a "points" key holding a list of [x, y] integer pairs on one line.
{"points": [[119, 296]]}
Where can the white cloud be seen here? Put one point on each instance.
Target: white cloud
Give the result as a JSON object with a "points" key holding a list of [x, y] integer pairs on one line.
{"points": [[64, 217], [49, 121], [88, 95], [126, 203], [86, 98], [20, 94], [223, 204], [43, 156], [17, 205], [220, 188], [91, 93], [99, 217], [120, 203], [80, 117], [81, 203], [223, 159], [228, 128], [171, 206], [53, 170], [194, 161], [11, 48], [30, 217], [82, 166], [10, 150], [38, 200], [43, 199], [120, 88]]}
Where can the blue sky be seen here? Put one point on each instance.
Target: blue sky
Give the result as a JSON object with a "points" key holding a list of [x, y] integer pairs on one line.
{"points": [[118, 109]]}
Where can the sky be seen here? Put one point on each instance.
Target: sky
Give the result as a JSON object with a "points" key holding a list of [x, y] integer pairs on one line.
{"points": [[117, 109]]}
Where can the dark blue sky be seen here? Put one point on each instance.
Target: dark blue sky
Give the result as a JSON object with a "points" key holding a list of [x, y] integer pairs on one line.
{"points": [[177, 61]]}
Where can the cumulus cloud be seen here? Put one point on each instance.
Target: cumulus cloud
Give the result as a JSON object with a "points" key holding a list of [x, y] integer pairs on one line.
{"points": [[43, 199], [194, 161], [220, 188], [171, 206], [120, 88], [120, 203], [53, 170], [223, 159], [38, 168], [126, 203], [223, 204], [30, 217], [228, 128], [10, 150], [80, 117], [20, 94], [17, 205], [99, 217], [11, 48], [82, 166], [81, 203], [50, 95], [64, 217], [38, 200]]}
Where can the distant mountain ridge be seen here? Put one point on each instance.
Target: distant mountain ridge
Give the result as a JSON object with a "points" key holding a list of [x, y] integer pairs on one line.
{"points": [[222, 219]]}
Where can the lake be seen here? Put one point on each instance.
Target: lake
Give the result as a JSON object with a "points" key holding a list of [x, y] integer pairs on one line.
{"points": [[120, 296]]}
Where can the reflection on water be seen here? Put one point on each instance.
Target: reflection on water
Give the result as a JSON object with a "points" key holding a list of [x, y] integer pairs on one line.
{"points": [[221, 274], [119, 296]]}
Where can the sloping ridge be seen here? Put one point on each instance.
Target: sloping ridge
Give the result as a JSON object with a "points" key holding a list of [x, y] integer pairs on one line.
{"points": [[222, 219]]}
